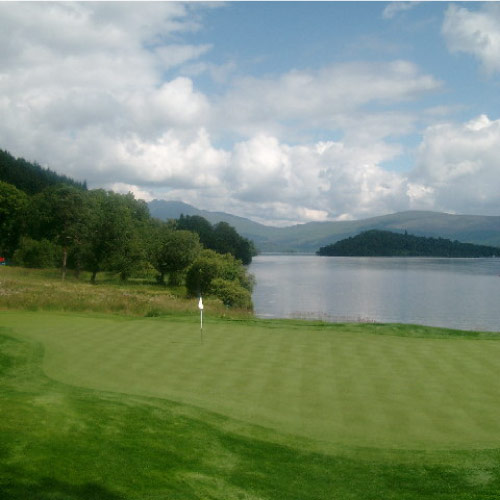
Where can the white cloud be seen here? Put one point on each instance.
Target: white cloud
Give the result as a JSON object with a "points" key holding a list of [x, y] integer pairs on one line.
{"points": [[81, 80], [171, 161], [323, 98], [395, 8], [475, 32], [458, 166], [86, 85]]}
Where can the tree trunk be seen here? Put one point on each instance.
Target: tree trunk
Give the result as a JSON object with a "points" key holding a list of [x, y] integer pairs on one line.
{"points": [[92, 279], [64, 262]]}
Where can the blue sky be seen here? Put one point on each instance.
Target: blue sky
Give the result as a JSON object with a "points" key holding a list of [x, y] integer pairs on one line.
{"points": [[283, 112]]}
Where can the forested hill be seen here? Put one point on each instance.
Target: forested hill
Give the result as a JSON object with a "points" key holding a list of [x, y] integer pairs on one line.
{"points": [[31, 177], [377, 243]]}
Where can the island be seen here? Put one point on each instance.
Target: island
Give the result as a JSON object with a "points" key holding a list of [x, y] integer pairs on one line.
{"points": [[378, 243]]}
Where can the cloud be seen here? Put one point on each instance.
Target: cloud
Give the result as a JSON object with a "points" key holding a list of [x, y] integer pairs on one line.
{"points": [[281, 183], [322, 98], [107, 92], [170, 161], [395, 8], [80, 80], [457, 165], [475, 32]]}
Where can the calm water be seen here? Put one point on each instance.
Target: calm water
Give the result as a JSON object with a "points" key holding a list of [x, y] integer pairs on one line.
{"points": [[455, 293]]}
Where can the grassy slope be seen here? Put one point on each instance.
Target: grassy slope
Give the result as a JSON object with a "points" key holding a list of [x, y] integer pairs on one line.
{"points": [[263, 410]]}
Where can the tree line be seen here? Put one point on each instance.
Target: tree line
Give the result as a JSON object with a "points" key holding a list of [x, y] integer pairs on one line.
{"points": [[31, 177], [377, 243], [63, 224]]}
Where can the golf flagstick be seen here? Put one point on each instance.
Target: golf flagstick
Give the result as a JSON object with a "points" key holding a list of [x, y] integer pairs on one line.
{"points": [[200, 307]]}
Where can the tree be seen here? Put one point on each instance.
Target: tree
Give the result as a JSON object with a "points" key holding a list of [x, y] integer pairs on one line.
{"points": [[198, 225], [222, 237], [58, 213], [172, 251], [13, 206], [31, 177], [114, 233]]}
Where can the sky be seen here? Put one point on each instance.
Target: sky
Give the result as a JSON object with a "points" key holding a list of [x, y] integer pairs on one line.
{"points": [[281, 112]]}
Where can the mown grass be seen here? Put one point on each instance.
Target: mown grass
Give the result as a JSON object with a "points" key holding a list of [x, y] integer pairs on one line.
{"points": [[64, 442], [43, 290], [332, 384]]}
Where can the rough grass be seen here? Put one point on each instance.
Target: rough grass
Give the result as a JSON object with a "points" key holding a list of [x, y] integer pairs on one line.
{"points": [[43, 290], [66, 442]]}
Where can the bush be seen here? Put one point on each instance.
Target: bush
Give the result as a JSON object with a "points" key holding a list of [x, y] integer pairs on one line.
{"points": [[222, 276], [231, 293], [37, 254]]}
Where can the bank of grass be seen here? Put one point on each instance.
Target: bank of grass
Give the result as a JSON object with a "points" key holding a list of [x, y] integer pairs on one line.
{"points": [[66, 442], [43, 290]]}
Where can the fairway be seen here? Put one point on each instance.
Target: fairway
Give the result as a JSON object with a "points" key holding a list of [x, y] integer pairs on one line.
{"points": [[333, 385]]}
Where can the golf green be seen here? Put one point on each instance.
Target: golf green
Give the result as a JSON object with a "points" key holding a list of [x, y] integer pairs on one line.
{"points": [[335, 385]]}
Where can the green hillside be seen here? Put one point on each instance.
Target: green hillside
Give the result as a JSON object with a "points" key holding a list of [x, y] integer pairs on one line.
{"points": [[31, 177]]}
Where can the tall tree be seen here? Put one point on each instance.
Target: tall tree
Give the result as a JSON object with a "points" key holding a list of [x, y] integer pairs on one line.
{"points": [[113, 233], [172, 251], [13, 206], [59, 213]]}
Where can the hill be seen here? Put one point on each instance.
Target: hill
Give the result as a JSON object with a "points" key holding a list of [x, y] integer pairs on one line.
{"points": [[31, 177], [376, 243], [307, 238]]}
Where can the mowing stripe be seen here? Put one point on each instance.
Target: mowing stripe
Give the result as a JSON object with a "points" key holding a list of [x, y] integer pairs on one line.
{"points": [[326, 384]]}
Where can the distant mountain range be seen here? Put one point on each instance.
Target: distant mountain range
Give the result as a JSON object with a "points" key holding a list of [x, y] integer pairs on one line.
{"points": [[309, 237]]}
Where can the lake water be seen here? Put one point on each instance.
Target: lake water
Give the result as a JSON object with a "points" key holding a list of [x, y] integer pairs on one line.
{"points": [[455, 293]]}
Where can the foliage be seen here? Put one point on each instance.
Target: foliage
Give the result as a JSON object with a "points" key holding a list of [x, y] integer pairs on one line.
{"points": [[59, 213], [377, 243], [222, 237], [231, 293], [198, 225], [37, 254], [31, 177], [101, 231], [172, 251], [113, 233], [13, 206], [211, 273]]}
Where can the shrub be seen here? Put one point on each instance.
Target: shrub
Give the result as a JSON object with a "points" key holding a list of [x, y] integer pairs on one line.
{"points": [[231, 293], [37, 254], [220, 275]]}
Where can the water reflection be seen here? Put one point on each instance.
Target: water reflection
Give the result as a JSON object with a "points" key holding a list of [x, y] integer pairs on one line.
{"points": [[456, 293]]}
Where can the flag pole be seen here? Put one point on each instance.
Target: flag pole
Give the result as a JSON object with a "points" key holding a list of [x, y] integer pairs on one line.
{"points": [[200, 307]]}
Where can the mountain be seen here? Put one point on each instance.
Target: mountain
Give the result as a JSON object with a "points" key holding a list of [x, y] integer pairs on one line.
{"points": [[307, 238]]}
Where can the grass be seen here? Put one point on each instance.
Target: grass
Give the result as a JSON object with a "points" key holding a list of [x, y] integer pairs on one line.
{"points": [[122, 406], [43, 290]]}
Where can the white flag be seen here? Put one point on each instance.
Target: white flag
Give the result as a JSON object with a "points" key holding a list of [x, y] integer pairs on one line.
{"points": [[200, 304]]}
